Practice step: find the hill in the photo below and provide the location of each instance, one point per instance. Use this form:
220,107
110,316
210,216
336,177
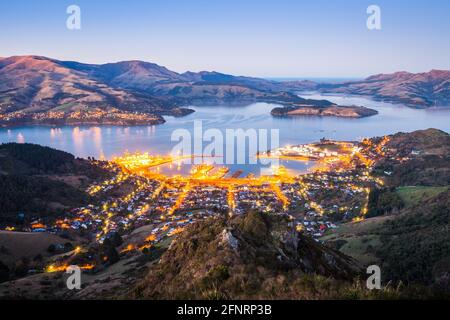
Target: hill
36,89
19,247
418,90
41,90
247,257
407,230
411,246
417,158
255,256
40,182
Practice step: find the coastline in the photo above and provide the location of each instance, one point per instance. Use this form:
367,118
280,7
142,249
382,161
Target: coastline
78,123
355,112
114,117
376,98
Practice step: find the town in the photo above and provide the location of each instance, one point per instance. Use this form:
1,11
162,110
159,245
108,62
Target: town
146,209
92,116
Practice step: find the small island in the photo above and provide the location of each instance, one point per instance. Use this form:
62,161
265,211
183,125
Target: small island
324,111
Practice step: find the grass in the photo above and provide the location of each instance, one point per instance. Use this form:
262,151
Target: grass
358,240
414,195
24,244
359,248
355,228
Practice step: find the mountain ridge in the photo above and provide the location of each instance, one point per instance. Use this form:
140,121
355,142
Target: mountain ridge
37,85
41,90
418,90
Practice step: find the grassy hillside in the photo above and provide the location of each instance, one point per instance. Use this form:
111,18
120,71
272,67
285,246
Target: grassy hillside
415,195
412,246
15,246
416,244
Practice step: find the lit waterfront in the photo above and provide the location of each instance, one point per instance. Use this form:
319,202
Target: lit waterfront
109,141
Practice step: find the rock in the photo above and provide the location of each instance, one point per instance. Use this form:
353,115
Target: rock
228,239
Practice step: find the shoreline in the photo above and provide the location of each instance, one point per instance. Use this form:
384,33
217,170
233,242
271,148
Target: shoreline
114,118
77,124
182,112
374,98
354,112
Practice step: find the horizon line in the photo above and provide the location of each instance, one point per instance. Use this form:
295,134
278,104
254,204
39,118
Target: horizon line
267,77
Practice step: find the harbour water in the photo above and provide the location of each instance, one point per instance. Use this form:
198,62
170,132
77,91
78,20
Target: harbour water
109,141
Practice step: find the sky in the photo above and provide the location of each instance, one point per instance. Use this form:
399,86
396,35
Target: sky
277,38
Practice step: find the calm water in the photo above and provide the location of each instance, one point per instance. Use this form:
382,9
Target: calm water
108,141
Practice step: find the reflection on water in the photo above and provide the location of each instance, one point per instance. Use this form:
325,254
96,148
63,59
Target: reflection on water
20,138
184,169
107,141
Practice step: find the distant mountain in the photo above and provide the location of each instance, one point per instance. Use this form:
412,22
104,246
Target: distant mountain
41,84
35,89
40,90
203,87
127,74
418,90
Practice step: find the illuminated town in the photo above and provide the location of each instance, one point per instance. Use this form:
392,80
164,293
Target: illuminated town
137,199
91,116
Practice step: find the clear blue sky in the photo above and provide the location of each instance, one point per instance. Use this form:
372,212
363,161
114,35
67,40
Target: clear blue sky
278,38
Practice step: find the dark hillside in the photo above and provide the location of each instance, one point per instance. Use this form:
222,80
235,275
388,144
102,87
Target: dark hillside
41,182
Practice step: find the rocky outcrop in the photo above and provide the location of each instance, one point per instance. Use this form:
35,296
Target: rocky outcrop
249,256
